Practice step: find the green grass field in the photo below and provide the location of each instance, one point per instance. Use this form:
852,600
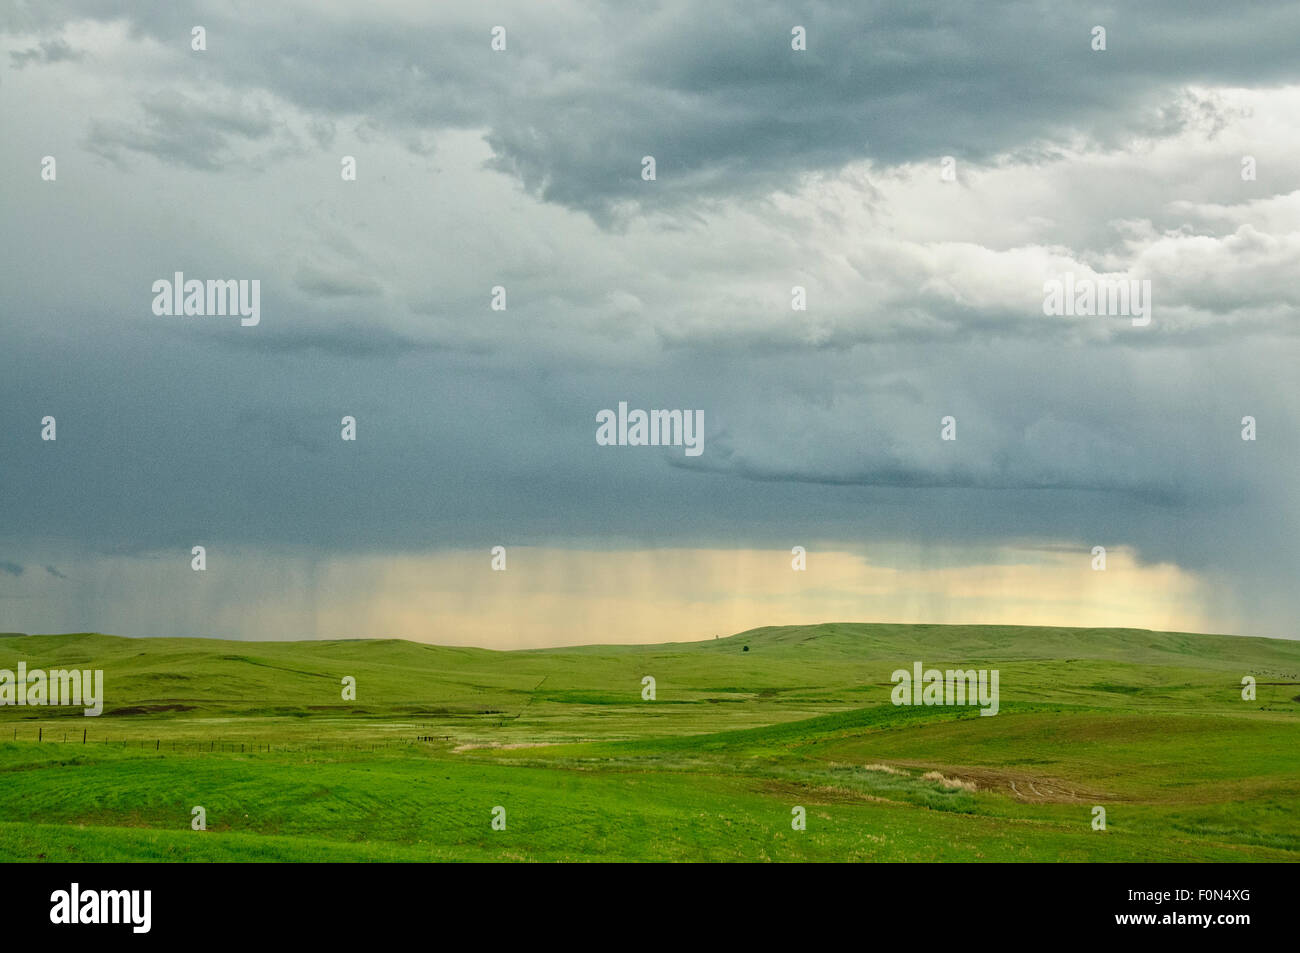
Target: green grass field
1151,726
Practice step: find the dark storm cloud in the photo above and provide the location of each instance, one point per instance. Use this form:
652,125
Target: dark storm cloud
716,94
1018,475
477,425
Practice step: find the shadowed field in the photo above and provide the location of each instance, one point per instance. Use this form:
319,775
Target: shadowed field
1151,726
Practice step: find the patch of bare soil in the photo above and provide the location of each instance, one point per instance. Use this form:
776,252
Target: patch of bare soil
1032,789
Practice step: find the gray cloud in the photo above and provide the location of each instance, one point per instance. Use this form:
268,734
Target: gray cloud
180,129
333,283
47,51
721,100
352,340
775,169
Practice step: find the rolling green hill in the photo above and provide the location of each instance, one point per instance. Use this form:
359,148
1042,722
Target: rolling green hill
1151,726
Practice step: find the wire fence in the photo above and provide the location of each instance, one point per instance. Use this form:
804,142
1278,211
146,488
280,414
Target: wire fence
199,745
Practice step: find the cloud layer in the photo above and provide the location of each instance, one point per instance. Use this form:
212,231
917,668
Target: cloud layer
775,169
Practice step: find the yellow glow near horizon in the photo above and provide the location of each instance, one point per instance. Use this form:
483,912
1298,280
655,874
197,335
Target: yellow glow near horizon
552,596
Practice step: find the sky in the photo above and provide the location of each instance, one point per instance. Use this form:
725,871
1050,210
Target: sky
920,170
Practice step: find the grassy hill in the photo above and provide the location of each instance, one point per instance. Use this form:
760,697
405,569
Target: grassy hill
1149,725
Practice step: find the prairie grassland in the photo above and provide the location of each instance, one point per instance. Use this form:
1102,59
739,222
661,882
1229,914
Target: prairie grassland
1150,726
